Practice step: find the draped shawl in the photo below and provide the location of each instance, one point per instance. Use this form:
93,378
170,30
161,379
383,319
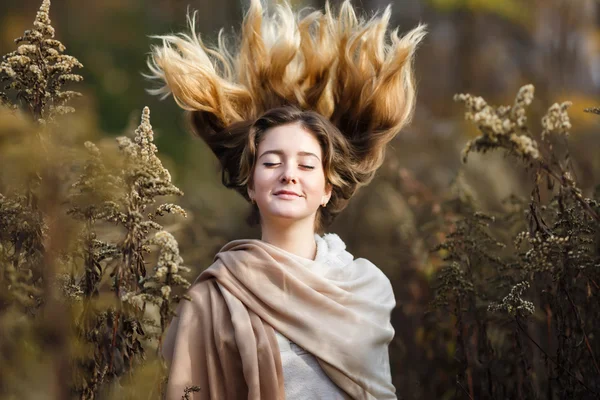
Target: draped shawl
223,338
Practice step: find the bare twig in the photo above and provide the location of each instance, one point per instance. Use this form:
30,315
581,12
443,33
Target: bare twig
551,359
587,342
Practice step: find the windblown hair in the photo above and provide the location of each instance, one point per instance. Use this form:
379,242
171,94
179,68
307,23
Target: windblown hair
348,69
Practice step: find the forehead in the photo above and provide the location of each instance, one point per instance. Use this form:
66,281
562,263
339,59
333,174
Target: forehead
291,138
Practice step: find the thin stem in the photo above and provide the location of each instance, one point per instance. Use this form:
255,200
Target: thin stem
114,340
587,342
551,359
464,389
571,189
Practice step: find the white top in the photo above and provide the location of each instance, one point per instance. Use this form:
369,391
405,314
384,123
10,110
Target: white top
303,376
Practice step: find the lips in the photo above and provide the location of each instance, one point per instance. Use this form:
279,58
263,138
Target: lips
286,194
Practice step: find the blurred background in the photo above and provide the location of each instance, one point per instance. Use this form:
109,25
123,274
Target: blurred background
489,48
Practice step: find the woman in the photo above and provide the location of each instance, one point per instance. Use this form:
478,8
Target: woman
299,117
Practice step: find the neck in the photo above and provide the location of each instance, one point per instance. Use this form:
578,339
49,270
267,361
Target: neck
297,238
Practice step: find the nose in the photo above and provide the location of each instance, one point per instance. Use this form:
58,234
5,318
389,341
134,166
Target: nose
289,175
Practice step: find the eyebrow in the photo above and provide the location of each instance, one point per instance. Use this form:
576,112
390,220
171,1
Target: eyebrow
280,153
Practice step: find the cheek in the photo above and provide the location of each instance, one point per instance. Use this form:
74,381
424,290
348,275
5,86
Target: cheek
316,187
263,181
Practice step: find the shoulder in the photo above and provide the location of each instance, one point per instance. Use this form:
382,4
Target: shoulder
380,286
186,320
195,298
368,266
332,249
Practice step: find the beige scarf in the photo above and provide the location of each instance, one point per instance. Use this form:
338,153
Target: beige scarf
223,340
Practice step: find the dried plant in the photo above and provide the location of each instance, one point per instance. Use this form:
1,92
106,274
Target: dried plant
37,70
81,315
122,197
188,391
461,284
513,304
554,250
35,73
17,286
112,309
506,128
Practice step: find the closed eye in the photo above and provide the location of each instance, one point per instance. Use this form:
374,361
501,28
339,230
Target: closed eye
275,164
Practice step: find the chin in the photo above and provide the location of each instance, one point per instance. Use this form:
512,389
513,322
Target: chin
289,215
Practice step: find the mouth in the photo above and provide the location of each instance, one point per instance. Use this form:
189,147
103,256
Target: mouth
286,194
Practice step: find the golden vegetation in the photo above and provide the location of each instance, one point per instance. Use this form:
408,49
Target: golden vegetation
89,277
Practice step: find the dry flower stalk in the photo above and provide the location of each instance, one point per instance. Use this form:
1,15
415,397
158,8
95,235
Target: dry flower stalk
37,70
506,128
122,195
102,281
513,304
554,249
501,127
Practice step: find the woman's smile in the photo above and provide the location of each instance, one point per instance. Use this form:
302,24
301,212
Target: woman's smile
286,195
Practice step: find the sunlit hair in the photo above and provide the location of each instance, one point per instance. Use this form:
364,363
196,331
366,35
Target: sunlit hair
348,69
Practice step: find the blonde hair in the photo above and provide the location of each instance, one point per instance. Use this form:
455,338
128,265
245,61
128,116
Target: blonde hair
346,68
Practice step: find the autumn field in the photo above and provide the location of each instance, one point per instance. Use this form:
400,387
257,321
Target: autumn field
485,215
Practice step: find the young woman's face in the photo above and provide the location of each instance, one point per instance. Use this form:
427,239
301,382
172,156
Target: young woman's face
289,181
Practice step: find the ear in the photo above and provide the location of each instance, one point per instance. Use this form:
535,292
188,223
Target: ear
250,192
328,193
